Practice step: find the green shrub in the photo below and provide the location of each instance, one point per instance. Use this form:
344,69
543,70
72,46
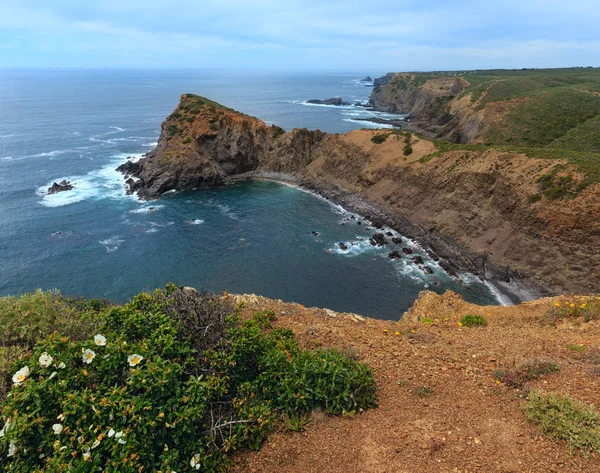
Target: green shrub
408,150
187,141
146,396
563,418
30,317
427,321
576,348
470,320
380,138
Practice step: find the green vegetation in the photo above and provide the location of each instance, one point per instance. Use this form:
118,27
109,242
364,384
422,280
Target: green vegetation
530,370
563,418
553,113
576,348
380,138
427,321
470,320
583,308
407,150
423,392
31,317
172,380
187,141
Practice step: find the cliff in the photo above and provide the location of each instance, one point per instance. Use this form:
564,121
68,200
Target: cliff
504,215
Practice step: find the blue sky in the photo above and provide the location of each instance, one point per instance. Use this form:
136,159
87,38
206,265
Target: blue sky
349,35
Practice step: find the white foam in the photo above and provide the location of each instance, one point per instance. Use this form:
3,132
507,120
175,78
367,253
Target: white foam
152,144
7,136
117,128
196,222
105,182
367,124
111,244
152,230
146,209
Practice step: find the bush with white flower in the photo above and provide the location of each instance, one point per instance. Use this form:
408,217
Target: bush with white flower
138,396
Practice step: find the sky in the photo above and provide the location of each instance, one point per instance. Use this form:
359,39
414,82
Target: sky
382,35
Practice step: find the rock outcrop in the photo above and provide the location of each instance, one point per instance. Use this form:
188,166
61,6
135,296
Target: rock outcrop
337,101
473,209
61,186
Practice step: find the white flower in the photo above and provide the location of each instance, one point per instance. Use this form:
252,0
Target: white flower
57,428
95,444
111,432
20,375
100,340
45,360
6,429
62,365
52,375
195,461
12,449
86,455
134,359
122,442
118,435
88,356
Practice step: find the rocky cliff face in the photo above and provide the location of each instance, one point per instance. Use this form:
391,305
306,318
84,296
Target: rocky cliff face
480,210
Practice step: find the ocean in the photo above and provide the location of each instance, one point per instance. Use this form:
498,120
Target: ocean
253,237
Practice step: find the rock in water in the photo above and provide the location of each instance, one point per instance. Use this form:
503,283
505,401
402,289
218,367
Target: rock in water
378,239
394,255
343,246
61,186
397,240
407,251
332,101
367,79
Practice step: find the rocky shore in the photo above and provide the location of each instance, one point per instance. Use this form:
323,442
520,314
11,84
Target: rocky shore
474,209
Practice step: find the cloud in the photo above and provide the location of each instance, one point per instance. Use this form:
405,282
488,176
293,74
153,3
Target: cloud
309,34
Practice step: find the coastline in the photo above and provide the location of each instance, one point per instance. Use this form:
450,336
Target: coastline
508,287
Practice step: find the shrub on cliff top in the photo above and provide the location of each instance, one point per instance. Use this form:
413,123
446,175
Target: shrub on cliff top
142,395
380,138
470,320
30,317
563,418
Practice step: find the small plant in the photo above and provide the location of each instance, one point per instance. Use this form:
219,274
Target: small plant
427,321
470,320
577,348
408,150
187,141
530,370
423,392
583,308
380,138
564,418
297,423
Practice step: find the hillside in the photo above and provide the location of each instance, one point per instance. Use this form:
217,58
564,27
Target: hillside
528,224
446,403
543,112
177,380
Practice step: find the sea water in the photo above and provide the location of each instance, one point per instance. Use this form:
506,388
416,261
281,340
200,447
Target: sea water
254,237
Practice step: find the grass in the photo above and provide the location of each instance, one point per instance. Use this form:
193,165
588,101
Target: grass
557,115
574,308
30,317
423,392
576,348
566,419
470,320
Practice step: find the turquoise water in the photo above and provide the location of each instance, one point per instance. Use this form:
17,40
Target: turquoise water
253,237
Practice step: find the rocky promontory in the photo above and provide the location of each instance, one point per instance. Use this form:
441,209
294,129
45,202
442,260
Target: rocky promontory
480,210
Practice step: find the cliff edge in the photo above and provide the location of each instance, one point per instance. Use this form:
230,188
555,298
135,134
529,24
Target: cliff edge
504,215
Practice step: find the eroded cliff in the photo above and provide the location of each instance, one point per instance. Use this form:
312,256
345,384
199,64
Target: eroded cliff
484,210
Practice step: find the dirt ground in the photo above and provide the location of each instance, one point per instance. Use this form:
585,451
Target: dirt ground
469,423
